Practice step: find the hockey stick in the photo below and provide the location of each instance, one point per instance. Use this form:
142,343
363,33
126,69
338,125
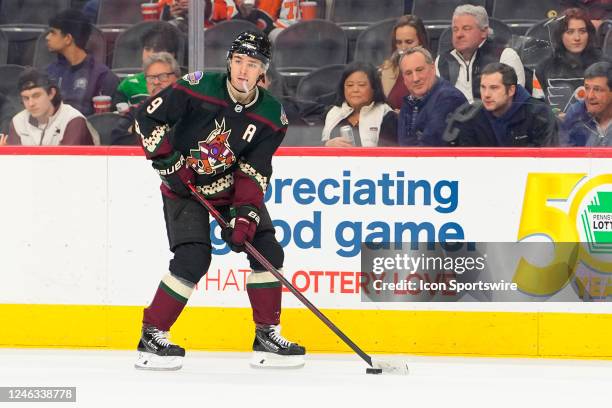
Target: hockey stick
376,366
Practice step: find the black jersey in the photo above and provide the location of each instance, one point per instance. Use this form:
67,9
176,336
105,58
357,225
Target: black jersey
229,145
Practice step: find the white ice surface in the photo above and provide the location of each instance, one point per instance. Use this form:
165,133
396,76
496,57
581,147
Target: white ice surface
108,379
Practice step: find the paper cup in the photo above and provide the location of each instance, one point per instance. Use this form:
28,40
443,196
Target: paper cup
150,11
102,103
308,10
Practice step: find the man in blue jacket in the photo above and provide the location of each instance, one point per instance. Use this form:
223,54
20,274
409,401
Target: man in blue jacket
430,100
508,115
587,123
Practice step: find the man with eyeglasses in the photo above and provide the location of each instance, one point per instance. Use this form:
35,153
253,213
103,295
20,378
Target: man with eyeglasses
217,131
160,71
162,37
587,122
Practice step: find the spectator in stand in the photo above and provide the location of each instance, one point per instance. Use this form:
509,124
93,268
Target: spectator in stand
174,11
216,11
561,74
175,8
160,71
163,38
408,32
587,123
360,105
265,14
281,14
508,115
429,102
79,76
46,121
472,51
270,16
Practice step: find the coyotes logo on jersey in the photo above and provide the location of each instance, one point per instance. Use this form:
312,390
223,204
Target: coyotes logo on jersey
213,154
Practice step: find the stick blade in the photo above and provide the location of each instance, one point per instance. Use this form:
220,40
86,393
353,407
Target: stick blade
398,367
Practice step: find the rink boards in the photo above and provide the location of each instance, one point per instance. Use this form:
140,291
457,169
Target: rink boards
84,246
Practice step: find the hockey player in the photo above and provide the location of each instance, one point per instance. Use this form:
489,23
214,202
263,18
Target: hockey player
219,132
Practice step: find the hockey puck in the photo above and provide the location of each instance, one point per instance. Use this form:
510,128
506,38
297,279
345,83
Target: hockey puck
371,370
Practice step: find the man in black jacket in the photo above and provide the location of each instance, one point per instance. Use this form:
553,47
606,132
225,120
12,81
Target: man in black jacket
508,115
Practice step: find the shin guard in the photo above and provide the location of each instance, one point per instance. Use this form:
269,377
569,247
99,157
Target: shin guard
168,303
265,294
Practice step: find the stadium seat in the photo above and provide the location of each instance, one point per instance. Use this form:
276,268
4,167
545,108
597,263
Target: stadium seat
128,47
521,14
543,30
374,44
431,11
308,45
115,17
4,43
277,86
603,30
537,44
8,81
104,123
30,11
607,45
217,40
22,41
119,12
10,100
354,16
96,46
364,11
8,108
321,81
533,51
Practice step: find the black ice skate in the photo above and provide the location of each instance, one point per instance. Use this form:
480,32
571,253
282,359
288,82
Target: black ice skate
270,349
156,352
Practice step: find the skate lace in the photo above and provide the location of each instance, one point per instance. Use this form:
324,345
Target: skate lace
276,336
161,337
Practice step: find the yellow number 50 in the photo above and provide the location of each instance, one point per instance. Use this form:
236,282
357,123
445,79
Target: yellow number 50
540,218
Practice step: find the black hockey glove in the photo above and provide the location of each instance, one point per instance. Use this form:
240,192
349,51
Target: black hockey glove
175,174
242,228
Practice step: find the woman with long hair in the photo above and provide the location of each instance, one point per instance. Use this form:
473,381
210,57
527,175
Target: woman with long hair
408,32
575,49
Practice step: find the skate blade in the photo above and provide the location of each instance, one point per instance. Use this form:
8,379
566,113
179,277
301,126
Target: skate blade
262,359
150,361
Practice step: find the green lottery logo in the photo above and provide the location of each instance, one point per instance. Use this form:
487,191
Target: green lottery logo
597,223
